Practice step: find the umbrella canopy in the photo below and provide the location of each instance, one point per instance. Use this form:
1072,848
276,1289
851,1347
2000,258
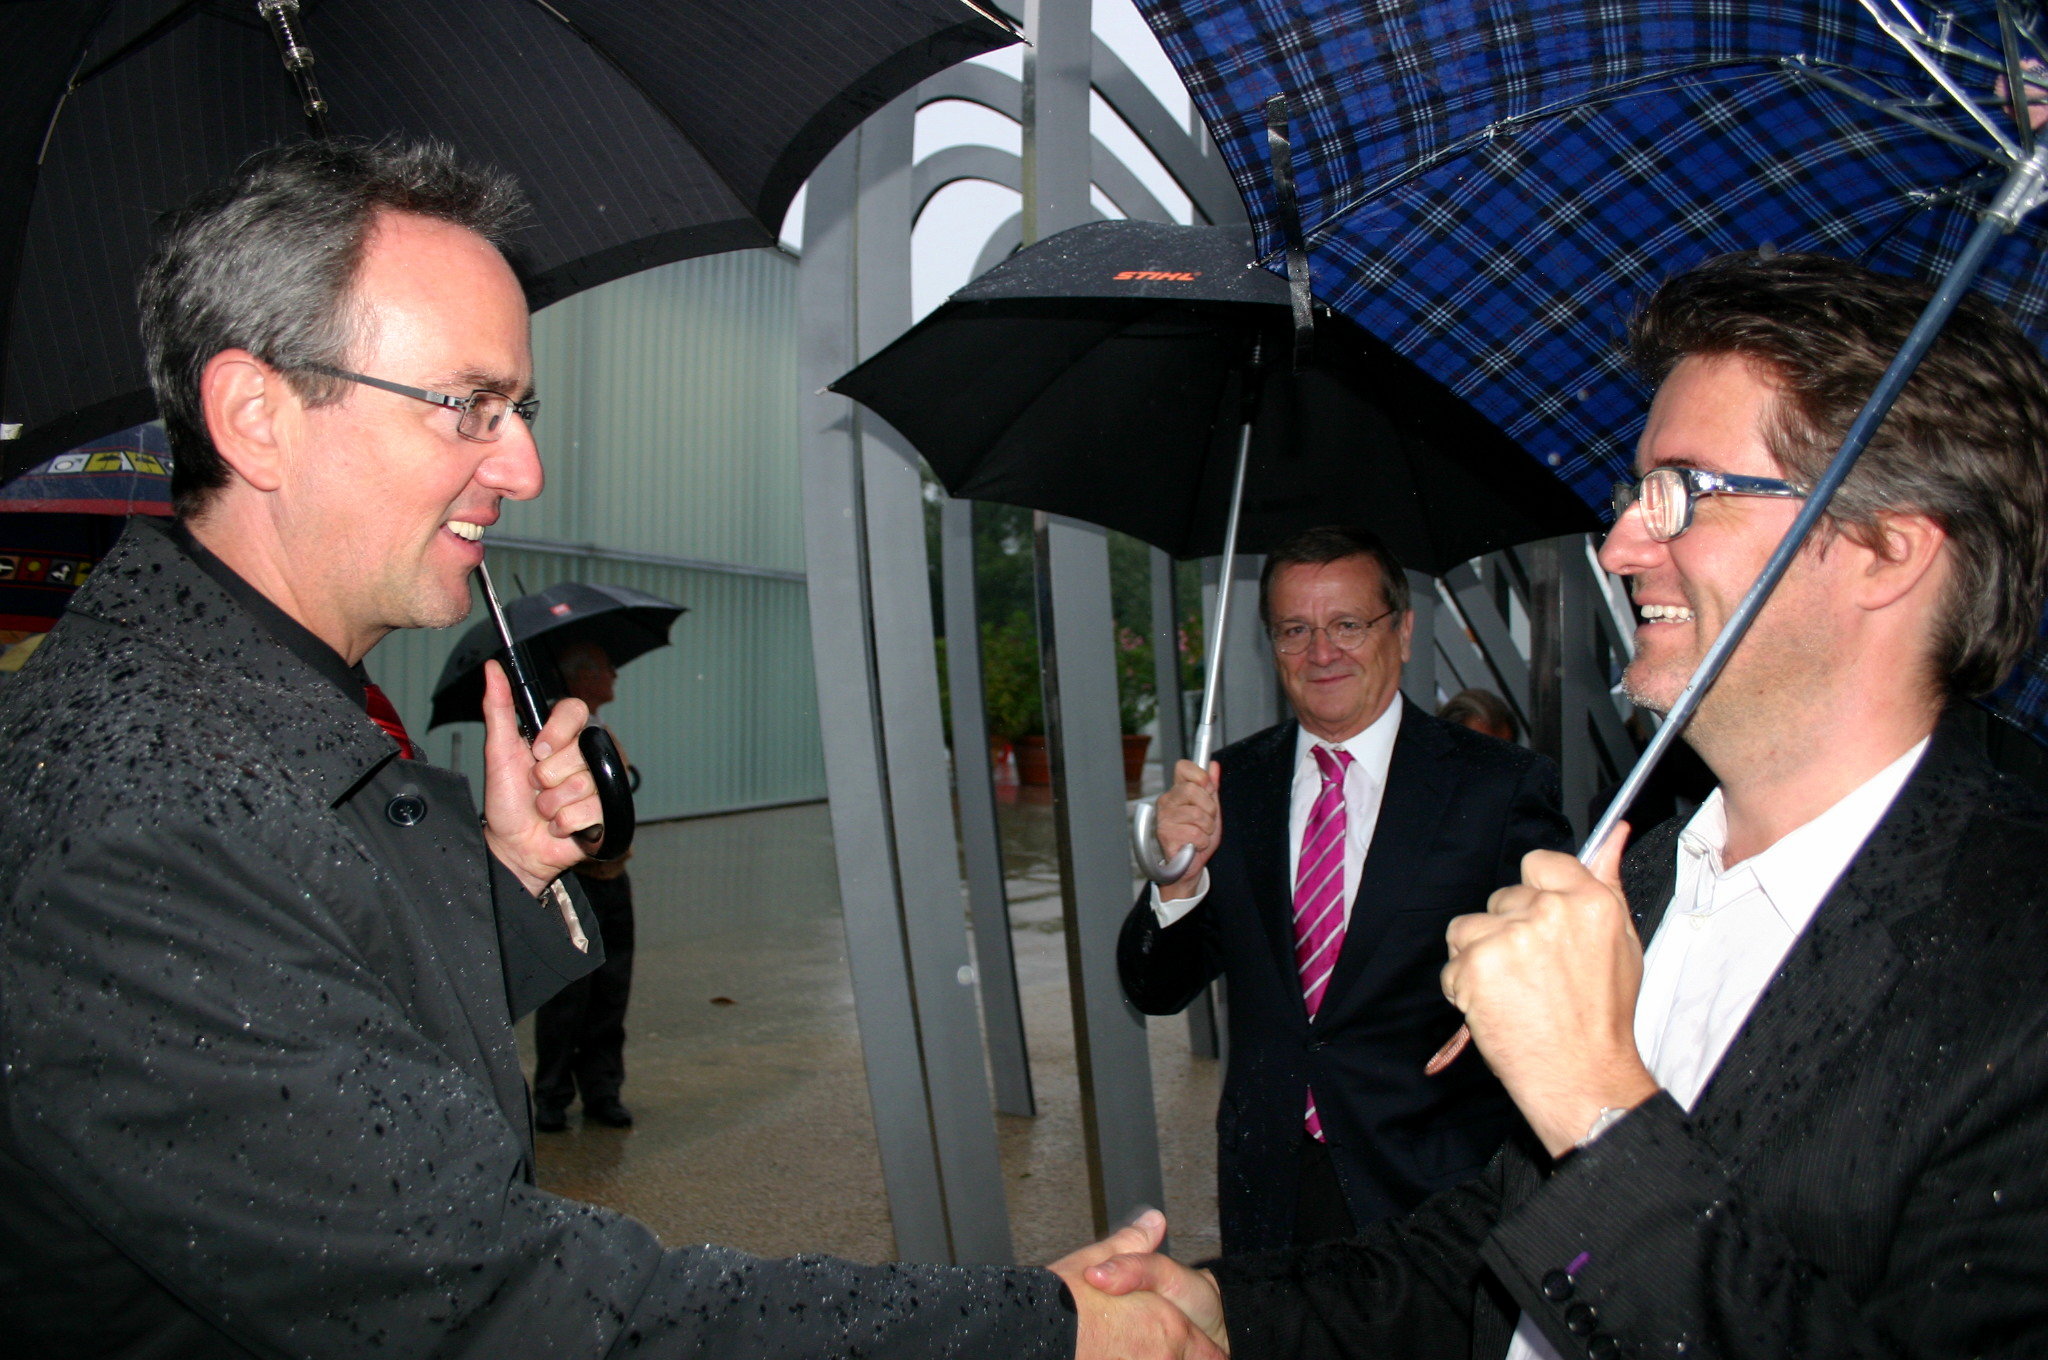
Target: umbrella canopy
59,518
645,131
626,623
1495,191
1101,374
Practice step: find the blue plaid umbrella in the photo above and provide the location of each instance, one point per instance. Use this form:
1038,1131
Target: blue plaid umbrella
1494,186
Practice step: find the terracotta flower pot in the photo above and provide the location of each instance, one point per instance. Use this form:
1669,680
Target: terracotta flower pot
1135,747
1034,763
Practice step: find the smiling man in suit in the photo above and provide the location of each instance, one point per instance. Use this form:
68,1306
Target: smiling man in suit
1331,853
1807,1120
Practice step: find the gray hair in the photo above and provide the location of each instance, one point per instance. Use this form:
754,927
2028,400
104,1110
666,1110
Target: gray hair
267,262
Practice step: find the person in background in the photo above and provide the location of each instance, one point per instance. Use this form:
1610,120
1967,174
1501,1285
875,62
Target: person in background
579,1036
1483,711
1331,852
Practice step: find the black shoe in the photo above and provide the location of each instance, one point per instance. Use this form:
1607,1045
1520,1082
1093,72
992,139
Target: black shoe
608,1112
550,1119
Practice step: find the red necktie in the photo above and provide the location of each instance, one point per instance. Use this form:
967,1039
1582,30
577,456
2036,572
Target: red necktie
385,716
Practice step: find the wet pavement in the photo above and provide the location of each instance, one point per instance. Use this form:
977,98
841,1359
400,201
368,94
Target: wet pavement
744,1067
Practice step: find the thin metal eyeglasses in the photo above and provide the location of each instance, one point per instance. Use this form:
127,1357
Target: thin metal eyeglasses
1346,635
483,411
1667,496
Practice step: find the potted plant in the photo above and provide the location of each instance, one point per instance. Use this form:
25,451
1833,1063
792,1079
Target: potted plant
1016,716
1136,698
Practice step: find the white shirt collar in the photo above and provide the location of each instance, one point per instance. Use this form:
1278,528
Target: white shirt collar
1372,749
1797,871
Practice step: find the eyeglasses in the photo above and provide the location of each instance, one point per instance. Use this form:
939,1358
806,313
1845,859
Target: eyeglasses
483,411
1667,496
1346,635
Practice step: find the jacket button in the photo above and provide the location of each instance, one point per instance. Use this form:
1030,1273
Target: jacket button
407,809
1603,1347
1580,1319
1557,1286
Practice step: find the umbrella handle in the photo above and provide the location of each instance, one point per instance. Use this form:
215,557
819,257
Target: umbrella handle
611,838
1144,817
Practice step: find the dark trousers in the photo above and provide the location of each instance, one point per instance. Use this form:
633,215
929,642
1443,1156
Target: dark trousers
1320,1214
579,1037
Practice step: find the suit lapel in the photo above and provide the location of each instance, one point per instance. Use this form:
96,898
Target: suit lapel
1420,785
1263,773
1847,960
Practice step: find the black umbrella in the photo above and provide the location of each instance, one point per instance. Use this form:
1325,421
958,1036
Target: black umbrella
1143,377
626,623
1103,373
645,131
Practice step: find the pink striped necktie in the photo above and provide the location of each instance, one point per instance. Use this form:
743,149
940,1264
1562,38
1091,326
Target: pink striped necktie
1319,895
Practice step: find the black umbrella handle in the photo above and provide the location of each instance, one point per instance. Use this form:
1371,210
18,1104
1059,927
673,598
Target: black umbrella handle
614,835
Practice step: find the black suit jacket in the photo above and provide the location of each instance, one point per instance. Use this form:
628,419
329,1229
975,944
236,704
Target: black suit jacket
1459,813
259,1094
1862,1176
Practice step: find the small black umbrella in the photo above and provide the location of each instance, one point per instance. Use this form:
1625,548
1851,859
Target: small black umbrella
626,623
644,131
1142,376
1102,374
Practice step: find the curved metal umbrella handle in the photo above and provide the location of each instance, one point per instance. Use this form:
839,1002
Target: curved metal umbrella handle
1144,818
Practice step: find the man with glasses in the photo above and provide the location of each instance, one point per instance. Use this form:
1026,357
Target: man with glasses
1331,853
259,964
1806,1119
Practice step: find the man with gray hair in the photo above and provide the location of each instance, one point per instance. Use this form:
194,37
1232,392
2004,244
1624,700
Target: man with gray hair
258,964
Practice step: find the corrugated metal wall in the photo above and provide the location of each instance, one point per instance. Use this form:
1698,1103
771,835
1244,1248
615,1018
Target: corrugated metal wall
669,429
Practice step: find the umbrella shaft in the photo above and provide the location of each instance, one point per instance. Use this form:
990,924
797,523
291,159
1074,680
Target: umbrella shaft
1212,679
2020,194
525,692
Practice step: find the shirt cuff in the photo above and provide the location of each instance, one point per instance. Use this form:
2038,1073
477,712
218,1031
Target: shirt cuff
1166,913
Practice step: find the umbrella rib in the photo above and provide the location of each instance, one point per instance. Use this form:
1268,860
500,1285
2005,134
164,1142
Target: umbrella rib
128,49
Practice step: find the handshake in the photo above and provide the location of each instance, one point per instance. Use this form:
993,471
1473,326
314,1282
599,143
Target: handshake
1136,1304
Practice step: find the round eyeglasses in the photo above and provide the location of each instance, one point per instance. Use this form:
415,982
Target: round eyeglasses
1666,496
483,411
1346,635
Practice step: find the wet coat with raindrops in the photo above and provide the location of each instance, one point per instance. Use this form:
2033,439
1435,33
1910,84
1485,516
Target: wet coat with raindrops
258,1087
1862,1176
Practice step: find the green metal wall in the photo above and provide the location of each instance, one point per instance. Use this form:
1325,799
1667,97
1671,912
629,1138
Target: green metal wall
669,430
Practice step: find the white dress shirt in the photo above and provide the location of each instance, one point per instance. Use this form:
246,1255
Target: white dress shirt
1724,936
1365,783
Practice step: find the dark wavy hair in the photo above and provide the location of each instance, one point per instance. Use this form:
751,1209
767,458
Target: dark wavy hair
267,261
1967,443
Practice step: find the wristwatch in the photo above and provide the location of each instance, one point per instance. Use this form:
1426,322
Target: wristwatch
1609,1116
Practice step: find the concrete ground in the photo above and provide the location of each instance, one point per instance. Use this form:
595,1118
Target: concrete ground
744,1065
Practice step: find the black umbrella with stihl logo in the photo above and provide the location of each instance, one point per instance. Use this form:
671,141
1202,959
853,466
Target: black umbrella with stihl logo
1151,379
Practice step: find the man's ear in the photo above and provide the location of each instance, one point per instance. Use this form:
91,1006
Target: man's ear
242,399
1905,551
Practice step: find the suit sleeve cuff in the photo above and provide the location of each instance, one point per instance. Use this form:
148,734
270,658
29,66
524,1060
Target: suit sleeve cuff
1166,913
1572,1252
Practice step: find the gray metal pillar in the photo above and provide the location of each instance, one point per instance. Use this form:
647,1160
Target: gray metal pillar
1077,657
981,846
856,780
1166,672
877,698
920,783
1546,647
1418,677
1172,742
1252,699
